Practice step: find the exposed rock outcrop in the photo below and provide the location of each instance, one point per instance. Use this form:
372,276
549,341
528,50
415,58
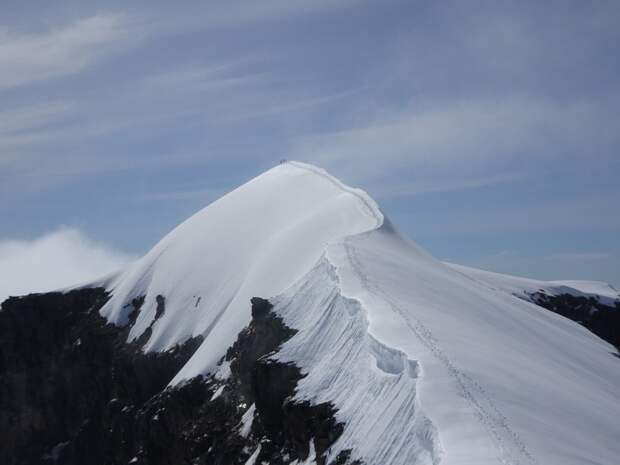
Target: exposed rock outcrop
603,320
73,391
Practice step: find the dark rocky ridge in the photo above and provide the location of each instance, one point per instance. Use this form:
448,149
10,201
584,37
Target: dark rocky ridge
603,320
62,366
72,391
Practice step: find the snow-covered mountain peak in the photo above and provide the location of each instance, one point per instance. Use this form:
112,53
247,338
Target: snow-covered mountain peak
255,241
424,362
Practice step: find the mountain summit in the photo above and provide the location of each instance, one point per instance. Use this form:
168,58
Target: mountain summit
255,241
295,324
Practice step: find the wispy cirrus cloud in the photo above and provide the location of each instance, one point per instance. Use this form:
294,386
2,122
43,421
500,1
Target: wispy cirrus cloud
33,117
66,50
581,256
468,138
425,186
202,195
24,127
215,93
239,13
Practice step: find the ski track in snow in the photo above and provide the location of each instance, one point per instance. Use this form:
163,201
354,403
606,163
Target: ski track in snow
512,450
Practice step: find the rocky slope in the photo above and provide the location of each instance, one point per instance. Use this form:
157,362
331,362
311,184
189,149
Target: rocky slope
72,391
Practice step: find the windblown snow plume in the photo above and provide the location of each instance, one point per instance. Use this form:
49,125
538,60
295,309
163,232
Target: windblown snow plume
425,362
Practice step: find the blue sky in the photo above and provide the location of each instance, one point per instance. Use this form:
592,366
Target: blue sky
488,131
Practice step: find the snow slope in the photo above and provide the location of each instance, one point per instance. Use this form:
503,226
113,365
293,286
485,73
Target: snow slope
524,287
255,241
425,363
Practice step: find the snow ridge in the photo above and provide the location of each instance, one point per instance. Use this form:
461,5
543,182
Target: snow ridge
525,287
511,449
367,201
373,386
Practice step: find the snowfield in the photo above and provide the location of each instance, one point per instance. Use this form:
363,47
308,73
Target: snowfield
426,362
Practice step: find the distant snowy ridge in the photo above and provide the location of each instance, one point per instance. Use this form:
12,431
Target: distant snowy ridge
524,287
424,362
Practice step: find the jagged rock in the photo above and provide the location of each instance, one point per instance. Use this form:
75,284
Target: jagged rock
65,371
603,320
73,391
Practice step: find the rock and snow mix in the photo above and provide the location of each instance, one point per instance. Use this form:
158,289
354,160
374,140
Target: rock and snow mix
525,287
426,362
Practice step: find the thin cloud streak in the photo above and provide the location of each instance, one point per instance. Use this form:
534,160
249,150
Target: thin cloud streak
233,14
27,58
413,188
34,117
584,256
478,134
204,195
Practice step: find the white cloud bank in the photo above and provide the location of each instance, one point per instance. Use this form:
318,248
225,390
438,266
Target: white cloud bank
53,261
